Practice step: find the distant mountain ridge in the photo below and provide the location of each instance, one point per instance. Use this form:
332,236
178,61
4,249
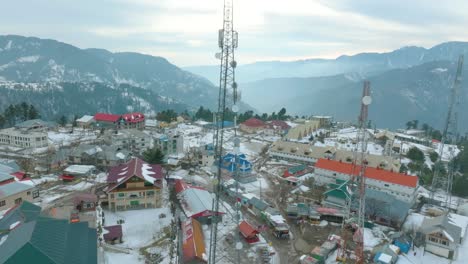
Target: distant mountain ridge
45,62
420,92
362,64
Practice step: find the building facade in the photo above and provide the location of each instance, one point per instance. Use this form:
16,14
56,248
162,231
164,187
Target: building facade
14,193
134,185
23,138
401,186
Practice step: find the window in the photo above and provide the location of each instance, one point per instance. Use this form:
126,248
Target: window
444,242
386,185
35,193
18,201
112,196
28,193
121,194
2,203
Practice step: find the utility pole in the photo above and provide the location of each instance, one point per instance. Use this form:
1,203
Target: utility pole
227,42
444,182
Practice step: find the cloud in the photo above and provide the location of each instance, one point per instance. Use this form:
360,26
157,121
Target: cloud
185,31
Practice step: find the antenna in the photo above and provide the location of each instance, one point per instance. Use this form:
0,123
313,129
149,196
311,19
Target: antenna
227,42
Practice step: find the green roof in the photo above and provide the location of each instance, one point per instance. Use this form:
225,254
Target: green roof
296,169
338,191
49,240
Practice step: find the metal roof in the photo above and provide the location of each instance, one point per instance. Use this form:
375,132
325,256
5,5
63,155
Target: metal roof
12,188
48,240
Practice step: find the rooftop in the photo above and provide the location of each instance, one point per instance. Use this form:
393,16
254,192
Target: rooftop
371,173
106,117
12,188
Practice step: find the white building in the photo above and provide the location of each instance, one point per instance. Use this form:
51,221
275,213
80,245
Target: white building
132,140
401,186
22,138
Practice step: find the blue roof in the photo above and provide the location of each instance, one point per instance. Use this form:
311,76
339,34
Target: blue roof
229,163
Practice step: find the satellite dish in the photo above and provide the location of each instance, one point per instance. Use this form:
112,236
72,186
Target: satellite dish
235,108
239,246
366,100
218,55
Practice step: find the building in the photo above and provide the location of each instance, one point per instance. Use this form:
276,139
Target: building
299,152
99,156
338,195
109,121
441,237
238,167
36,125
28,237
295,171
85,121
277,127
85,202
24,137
248,232
323,121
193,243
399,185
252,125
132,140
196,202
134,185
13,193
133,121
302,130
205,155
113,235
169,144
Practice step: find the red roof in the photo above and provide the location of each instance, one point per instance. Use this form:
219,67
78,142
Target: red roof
181,185
135,167
435,141
193,243
106,117
371,173
247,230
254,122
114,232
19,175
66,177
134,117
279,124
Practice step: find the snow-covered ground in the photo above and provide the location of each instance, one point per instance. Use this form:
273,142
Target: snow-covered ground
65,138
141,227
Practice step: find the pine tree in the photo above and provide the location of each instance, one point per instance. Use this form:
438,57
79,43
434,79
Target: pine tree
153,156
62,121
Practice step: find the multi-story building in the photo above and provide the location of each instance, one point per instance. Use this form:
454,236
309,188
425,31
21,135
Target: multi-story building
134,185
23,138
132,140
125,121
399,185
205,155
170,144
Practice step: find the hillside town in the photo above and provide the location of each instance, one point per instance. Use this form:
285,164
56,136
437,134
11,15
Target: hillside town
128,188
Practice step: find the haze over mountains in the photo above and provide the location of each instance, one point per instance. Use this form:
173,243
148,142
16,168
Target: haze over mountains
62,79
408,83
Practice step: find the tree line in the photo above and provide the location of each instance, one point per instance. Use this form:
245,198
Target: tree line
16,113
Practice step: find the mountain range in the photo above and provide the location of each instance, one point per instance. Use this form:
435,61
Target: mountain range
408,83
362,64
99,80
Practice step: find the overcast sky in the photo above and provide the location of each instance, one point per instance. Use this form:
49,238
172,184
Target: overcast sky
185,31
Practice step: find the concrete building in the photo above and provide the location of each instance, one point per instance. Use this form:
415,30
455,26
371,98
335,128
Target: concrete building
99,156
323,121
22,138
399,185
170,143
134,185
132,140
205,155
277,127
13,193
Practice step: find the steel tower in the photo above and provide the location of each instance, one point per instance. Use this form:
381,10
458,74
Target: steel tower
442,182
227,42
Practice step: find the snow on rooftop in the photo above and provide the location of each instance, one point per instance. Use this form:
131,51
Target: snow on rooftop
120,155
146,170
80,169
3,239
15,224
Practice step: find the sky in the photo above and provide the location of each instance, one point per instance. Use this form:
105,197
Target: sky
185,31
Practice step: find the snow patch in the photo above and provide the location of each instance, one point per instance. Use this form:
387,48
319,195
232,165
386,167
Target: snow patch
30,59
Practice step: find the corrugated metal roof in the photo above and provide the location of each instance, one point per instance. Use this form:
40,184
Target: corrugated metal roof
13,188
